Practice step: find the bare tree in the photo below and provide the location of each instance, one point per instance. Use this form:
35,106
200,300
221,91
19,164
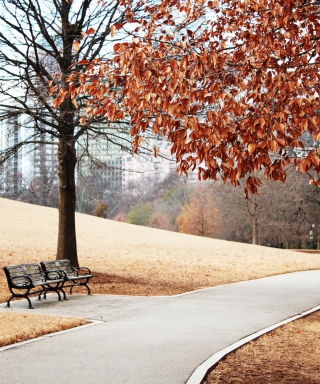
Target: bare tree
282,214
41,43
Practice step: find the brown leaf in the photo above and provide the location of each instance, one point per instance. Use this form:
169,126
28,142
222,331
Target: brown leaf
76,45
251,148
90,31
74,102
155,151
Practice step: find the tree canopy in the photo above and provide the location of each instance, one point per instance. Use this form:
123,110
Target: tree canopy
232,84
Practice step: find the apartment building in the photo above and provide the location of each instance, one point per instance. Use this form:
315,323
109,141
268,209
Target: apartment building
31,161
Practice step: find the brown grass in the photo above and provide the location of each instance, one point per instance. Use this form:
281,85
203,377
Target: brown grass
290,354
17,327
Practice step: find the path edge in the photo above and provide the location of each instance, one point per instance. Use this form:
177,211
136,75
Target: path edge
16,345
202,370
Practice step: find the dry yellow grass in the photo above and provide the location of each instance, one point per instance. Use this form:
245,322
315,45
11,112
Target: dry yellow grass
17,327
289,354
133,253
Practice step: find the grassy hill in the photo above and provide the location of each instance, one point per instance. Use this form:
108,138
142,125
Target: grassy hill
138,260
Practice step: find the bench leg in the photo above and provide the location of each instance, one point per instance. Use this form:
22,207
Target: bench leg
80,285
30,305
57,288
8,302
20,296
64,295
52,290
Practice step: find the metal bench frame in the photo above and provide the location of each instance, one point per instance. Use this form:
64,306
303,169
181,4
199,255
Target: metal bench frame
28,279
74,277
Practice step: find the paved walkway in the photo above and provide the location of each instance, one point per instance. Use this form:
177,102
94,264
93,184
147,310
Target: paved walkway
153,340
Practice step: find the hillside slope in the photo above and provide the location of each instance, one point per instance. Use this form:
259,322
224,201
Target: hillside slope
29,233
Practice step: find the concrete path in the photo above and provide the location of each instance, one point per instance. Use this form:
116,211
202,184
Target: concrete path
153,340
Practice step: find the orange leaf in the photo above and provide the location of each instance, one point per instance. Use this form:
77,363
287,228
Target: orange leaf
83,62
53,89
171,109
90,31
112,30
251,148
76,45
155,151
303,167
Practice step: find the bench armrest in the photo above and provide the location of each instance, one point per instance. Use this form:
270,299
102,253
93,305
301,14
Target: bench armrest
54,275
26,284
82,271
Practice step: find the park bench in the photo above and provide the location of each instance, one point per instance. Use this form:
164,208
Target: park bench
27,279
74,277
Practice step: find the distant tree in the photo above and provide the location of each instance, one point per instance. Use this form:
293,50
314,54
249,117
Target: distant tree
240,217
293,214
100,209
87,196
42,187
90,188
161,220
41,191
167,207
140,214
282,214
121,216
200,217
10,184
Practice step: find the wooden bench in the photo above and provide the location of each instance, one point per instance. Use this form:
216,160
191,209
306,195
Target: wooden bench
27,279
74,277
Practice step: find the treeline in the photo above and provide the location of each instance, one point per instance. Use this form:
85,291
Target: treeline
282,215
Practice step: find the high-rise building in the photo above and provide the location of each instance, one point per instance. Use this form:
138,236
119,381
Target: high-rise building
11,171
103,156
31,161
109,159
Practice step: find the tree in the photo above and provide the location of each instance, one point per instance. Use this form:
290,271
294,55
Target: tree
41,190
41,187
199,217
139,214
42,43
241,218
168,206
233,94
100,209
283,214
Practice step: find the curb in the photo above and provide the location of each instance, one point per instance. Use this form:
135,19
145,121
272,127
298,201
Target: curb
201,371
16,345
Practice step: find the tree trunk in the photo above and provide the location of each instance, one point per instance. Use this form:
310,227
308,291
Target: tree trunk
67,243
254,230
